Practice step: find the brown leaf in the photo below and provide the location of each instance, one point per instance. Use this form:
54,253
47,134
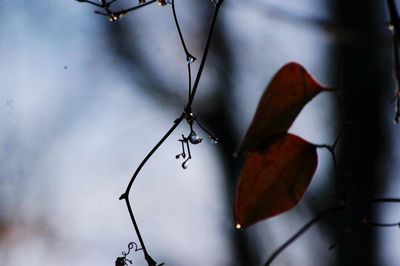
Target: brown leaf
274,180
285,96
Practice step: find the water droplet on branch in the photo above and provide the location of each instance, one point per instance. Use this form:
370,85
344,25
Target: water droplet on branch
194,138
214,140
190,59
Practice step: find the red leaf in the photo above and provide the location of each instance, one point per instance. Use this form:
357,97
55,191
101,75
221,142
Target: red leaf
274,180
285,96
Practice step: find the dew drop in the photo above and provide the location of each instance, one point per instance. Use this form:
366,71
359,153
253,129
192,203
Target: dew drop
190,118
142,1
391,27
214,140
184,165
190,59
114,17
162,2
238,226
194,139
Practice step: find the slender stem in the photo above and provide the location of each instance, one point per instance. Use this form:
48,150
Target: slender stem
188,55
143,247
176,123
338,138
301,231
190,80
331,149
322,215
204,57
382,224
128,189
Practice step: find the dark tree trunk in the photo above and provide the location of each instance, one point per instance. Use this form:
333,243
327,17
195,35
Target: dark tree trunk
364,75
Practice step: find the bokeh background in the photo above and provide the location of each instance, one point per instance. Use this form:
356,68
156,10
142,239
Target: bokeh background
84,100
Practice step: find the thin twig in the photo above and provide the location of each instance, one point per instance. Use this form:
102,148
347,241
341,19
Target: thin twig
322,215
176,123
204,57
376,224
190,81
331,149
189,58
128,189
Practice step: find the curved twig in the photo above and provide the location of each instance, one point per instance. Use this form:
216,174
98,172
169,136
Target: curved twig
125,196
189,58
322,215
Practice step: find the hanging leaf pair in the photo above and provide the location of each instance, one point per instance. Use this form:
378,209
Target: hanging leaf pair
279,166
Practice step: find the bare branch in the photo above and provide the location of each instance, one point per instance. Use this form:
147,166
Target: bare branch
324,214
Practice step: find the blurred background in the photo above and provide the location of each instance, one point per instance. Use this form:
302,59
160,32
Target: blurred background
84,100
